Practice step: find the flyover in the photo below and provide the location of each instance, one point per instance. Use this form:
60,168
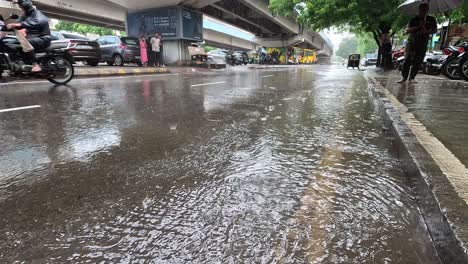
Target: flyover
115,20
250,15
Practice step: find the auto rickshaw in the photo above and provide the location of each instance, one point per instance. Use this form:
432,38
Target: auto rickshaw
354,60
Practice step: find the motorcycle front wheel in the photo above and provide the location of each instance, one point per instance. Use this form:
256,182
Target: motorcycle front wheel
464,68
62,71
451,69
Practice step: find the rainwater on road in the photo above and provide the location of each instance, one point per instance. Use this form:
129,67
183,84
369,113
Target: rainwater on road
261,166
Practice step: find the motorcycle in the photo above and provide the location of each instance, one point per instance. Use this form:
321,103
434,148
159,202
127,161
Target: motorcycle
463,66
433,65
396,55
57,64
451,61
231,59
268,59
399,63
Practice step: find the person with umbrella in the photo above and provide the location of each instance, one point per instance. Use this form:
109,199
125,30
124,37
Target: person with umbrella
420,28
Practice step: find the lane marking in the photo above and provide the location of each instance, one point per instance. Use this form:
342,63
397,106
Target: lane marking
268,76
19,108
203,84
84,79
449,164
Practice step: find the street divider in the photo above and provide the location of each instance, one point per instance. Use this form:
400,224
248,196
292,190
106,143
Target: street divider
117,71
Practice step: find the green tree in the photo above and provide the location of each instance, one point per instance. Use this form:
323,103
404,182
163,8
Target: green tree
82,28
208,48
347,46
374,17
460,15
358,16
366,44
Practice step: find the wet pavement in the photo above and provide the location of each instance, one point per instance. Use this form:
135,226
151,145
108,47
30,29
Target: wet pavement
441,105
262,166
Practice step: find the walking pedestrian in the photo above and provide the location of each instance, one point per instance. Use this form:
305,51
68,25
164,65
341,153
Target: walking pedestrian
420,28
385,51
161,52
149,51
156,47
143,51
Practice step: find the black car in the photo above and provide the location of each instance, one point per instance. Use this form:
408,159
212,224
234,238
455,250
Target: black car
80,47
117,50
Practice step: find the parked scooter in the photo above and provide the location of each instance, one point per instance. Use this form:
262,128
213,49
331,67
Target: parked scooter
269,59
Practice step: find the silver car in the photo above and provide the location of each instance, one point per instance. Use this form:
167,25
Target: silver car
217,56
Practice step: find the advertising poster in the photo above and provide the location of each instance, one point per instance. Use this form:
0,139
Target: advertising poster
162,20
192,22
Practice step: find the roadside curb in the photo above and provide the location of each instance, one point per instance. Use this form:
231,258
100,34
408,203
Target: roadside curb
444,210
117,72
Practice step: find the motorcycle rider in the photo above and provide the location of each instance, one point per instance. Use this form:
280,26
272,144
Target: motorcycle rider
37,29
263,54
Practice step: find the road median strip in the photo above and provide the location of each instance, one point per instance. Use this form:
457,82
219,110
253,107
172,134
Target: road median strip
85,72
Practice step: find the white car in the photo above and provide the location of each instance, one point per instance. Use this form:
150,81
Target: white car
217,56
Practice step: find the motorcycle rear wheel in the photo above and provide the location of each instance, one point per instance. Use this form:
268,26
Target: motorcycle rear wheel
68,74
450,71
464,68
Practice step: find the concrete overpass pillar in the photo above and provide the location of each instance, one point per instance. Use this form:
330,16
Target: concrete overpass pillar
178,26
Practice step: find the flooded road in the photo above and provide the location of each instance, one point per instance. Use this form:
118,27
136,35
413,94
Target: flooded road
279,166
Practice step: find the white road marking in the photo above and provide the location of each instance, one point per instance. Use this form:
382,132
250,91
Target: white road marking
87,79
19,108
449,164
267,76
203,84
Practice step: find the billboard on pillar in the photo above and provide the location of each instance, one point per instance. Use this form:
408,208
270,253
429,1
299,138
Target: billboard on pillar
162,20
192,25
170,22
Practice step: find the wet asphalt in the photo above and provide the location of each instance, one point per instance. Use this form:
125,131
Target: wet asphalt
261,166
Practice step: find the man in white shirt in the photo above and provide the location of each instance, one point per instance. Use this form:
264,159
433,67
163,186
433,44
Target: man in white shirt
156,48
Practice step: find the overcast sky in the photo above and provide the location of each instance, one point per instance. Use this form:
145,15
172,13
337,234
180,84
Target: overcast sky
337,37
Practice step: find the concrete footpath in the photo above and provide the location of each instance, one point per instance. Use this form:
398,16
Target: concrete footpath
430,119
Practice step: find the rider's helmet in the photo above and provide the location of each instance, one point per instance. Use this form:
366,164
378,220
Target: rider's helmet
26,5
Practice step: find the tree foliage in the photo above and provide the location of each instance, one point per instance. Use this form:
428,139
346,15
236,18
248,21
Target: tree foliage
82,28
347,46
362,44
366,44
359,16
460,15
208,48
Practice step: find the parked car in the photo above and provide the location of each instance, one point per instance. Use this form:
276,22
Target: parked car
117,50
370,60
217,56
80,47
